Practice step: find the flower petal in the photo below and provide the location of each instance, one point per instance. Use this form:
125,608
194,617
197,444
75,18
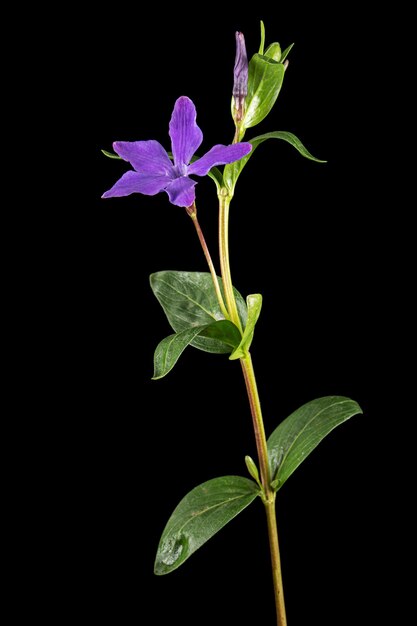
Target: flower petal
133,182
181,191
148,157
186,136
219,155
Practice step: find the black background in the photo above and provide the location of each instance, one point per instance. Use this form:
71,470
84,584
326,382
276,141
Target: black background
309,237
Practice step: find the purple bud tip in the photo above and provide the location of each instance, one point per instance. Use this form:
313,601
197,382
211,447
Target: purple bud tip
240,84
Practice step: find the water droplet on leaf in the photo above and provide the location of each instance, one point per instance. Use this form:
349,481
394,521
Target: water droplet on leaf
173,549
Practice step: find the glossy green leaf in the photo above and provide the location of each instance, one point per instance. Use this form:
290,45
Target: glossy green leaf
111,155
289,138
199,516
216,175
169,350
232,172
224,331
286,52
254,304
262,44
264,84
303,430
273,51
189,299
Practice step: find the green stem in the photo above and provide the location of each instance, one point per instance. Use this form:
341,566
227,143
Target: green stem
258,425
276,563
224,204
269,494
192,212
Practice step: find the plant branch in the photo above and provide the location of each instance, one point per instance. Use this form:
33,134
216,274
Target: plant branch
192,212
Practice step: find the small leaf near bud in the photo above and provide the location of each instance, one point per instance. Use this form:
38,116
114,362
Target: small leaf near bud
252,469
275,484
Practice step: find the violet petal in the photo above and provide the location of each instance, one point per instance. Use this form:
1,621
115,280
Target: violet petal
219,155
186,136
148,157
181,191
134,182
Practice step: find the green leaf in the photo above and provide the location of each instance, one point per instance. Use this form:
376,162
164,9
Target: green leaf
216,175
274,52
169,350
264,84
262,44
111,155
199,516
254,304
303,430
232,171
189,299
286,53
224,331
286,136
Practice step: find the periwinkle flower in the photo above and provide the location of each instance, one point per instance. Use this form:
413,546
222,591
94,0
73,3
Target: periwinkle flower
153,169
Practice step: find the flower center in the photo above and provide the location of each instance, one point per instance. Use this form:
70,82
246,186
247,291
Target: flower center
180,170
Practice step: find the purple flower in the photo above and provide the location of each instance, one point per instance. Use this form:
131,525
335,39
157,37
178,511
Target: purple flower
153,169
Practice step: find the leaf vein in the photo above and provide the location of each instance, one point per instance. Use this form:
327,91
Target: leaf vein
209,508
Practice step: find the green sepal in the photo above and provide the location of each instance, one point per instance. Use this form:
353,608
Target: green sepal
286,52
262,43
111,155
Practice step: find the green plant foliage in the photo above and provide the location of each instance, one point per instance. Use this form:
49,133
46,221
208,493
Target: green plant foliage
189,300
303,430
232,172
169,350
199,516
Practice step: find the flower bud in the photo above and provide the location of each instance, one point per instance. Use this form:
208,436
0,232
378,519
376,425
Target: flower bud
240,73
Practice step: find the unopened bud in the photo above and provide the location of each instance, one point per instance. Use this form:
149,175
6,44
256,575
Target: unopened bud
240,73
